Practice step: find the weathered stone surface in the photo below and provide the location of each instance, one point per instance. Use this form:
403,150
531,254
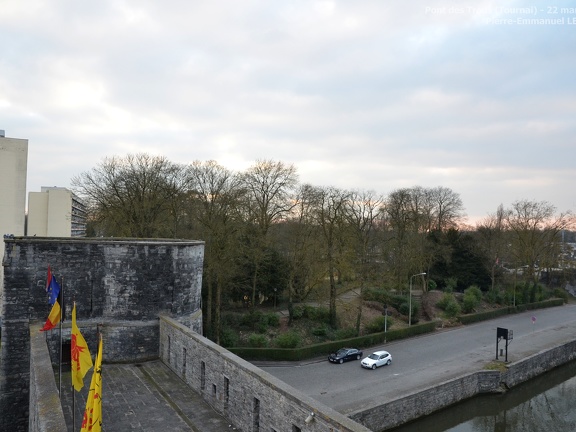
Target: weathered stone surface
251,397
120,287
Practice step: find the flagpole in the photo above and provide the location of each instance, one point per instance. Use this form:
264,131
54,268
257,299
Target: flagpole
61,319
71,372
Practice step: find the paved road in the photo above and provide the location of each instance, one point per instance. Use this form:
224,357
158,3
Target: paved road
427,360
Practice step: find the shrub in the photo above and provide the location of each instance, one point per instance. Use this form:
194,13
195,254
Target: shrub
257,341
251,318
403,308
232,319
375,294
289,339
228,337
345,333
320,331
451,284
453,309
475,291
319,314
377,325
297,312
561,293
469,303
449,305
270,319
472,298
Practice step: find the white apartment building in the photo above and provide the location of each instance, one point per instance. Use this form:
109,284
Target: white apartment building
55,212
13,171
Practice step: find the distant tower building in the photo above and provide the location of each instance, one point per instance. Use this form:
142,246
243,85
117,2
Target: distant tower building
55,212
13,171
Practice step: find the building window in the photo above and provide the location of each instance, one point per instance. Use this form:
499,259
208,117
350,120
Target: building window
202,375
256,415
226,392
184,363
168,352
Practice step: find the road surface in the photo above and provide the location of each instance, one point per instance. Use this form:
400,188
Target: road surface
426,360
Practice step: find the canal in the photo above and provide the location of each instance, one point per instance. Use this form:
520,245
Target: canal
546,403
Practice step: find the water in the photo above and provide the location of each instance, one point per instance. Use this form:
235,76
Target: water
544,404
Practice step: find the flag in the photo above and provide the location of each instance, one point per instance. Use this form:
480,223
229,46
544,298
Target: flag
53,290
92,420
80,354
48,278
53,317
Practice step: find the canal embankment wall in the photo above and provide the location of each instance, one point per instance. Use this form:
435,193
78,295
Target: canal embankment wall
434,398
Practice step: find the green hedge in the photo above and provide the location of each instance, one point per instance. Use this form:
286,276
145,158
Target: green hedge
483,316
303,353
366,341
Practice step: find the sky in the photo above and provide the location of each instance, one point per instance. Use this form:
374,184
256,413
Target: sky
475,96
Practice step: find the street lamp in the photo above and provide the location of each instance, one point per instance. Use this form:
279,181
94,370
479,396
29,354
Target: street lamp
410,299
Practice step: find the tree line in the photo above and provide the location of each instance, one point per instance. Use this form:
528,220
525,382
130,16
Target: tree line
267,236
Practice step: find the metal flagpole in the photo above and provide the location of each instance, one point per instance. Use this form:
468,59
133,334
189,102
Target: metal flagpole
61,319
71,381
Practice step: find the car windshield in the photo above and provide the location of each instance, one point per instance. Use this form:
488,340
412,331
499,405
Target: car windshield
373,357
341,352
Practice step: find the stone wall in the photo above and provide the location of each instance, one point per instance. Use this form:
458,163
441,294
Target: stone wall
46,413
119,285
537,364
418,404
252,399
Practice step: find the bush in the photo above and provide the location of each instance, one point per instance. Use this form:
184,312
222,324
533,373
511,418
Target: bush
297,312
449,305
561,293
453,309
251,318
288,340
451,284
472,298
345,333
377,325
232,319
469,304
318,314
320,331
270,319
473,290
257,341
405,308
228,337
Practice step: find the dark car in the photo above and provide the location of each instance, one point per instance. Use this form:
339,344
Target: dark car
345,354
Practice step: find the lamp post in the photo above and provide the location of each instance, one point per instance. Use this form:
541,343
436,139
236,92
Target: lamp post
410,299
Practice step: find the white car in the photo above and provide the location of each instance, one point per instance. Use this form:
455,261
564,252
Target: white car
376,359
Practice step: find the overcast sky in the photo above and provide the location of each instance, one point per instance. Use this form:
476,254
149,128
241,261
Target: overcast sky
369,94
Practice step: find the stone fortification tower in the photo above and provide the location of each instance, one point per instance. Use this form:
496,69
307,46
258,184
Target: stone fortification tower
119,285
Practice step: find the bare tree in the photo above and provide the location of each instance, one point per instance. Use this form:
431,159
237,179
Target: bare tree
214,204
133,196
330,207
362,212
535,230
447,207
269,186
491,234
299,243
